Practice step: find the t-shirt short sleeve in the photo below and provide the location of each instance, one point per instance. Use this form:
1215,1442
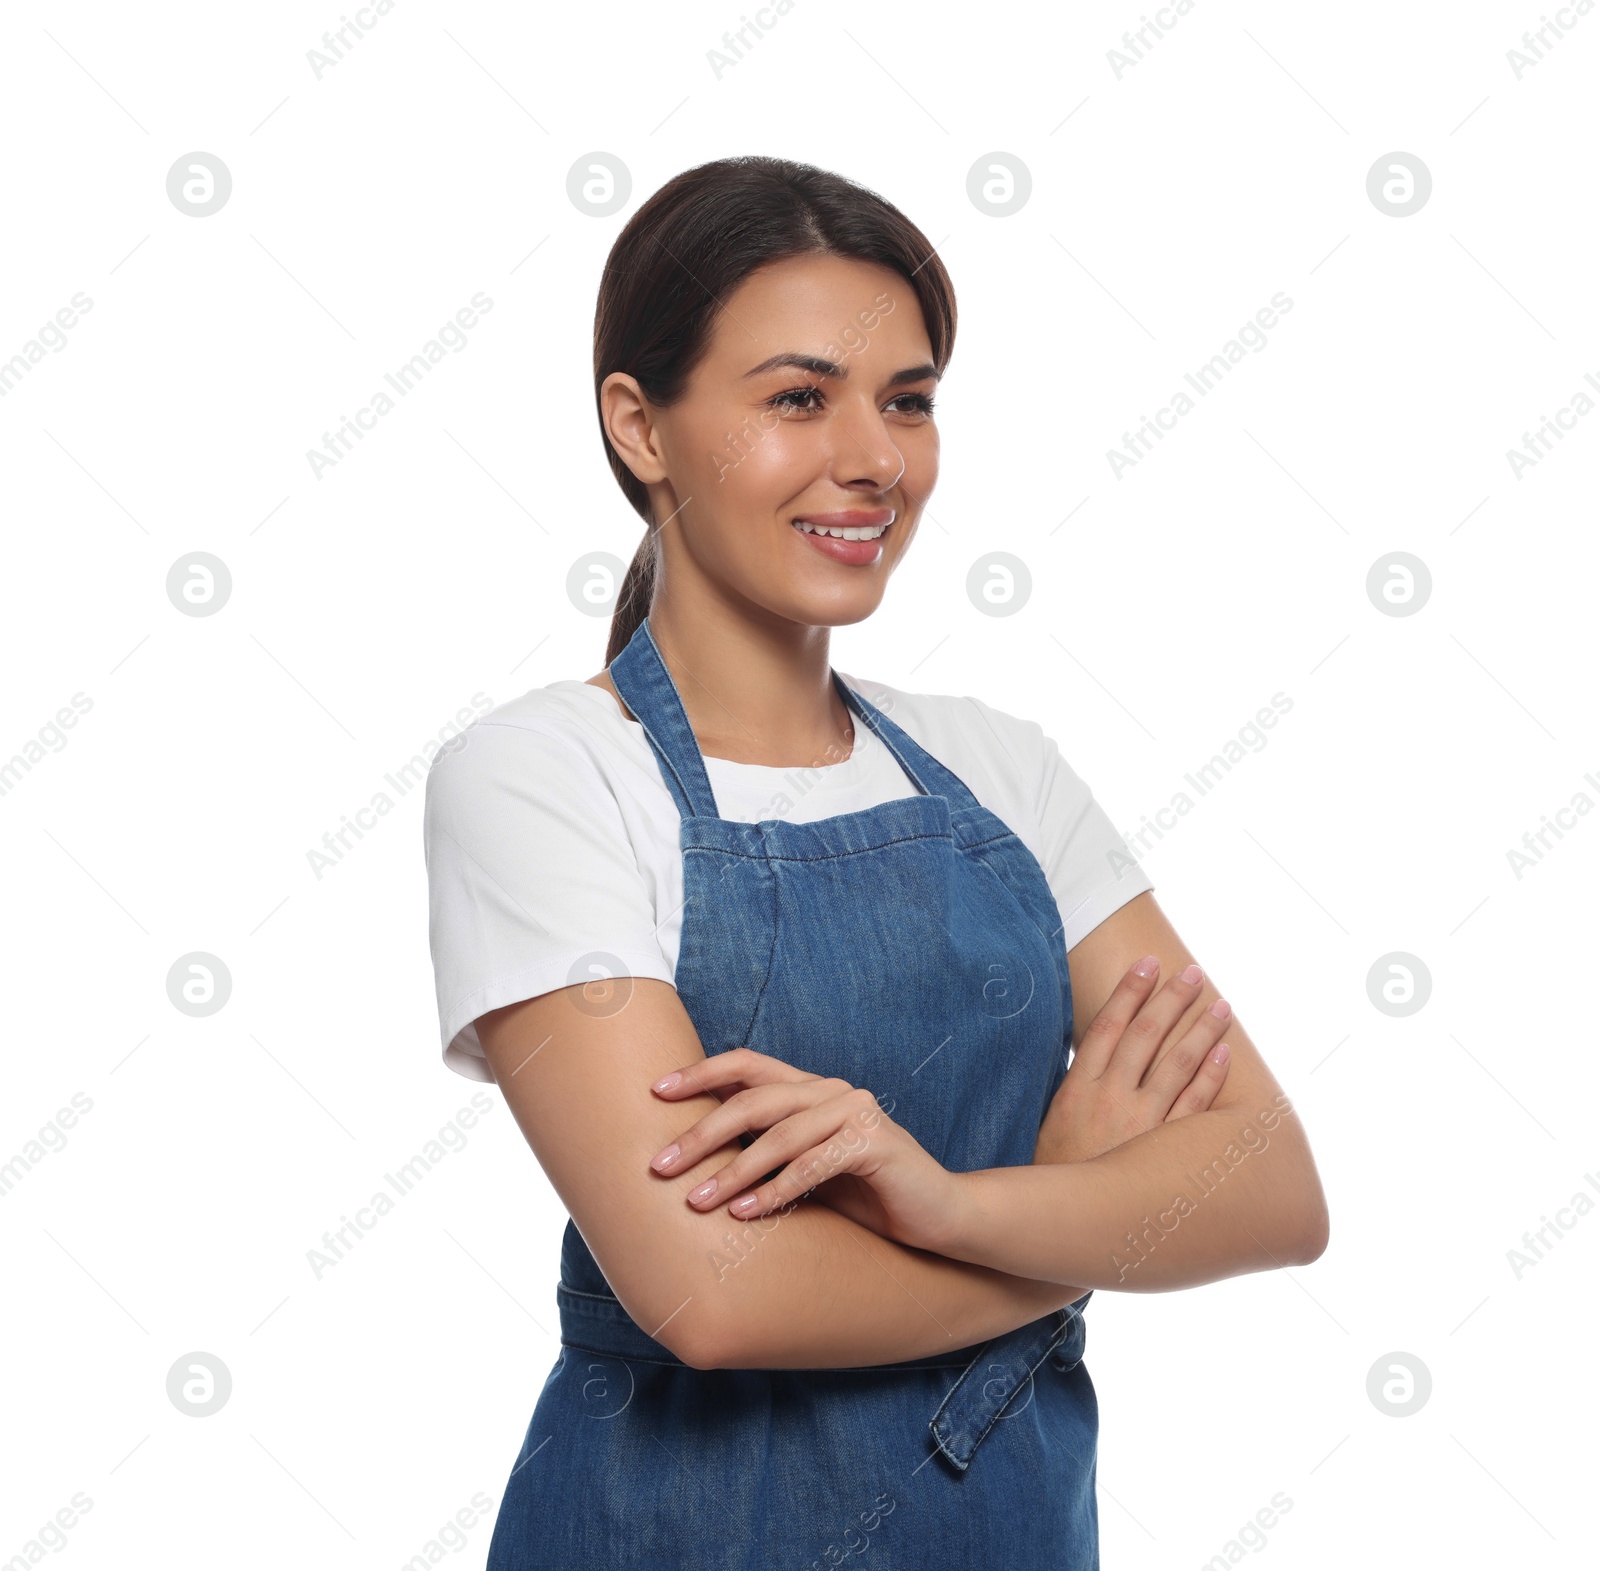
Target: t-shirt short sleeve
1087,861
533,883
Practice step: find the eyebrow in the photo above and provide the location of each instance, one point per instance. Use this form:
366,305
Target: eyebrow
819,366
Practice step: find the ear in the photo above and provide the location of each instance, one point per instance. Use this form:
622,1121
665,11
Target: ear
630,427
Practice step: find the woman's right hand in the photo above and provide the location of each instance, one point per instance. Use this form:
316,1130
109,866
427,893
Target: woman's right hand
812,1134
1107,1096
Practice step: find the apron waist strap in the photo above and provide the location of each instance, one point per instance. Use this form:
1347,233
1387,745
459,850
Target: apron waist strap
597,1323
990,1380
1000,1372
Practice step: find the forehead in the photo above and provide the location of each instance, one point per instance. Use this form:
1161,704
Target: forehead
809,303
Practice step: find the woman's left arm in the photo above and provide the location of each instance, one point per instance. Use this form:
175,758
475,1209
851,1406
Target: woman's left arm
1219,1193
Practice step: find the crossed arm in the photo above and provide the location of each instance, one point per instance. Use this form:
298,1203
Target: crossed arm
810,1288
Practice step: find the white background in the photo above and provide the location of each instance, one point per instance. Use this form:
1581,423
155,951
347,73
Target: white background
1168,606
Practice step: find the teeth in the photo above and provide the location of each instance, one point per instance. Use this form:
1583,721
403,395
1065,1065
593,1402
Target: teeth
869,532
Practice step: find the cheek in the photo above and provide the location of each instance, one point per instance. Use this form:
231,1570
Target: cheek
921,453
765,468
722,449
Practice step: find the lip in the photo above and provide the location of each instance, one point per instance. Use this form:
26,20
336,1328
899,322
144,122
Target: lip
848,553
860,519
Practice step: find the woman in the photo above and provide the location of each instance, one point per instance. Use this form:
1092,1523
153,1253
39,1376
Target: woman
712,914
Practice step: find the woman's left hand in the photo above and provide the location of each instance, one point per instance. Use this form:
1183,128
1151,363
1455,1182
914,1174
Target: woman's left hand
824,1130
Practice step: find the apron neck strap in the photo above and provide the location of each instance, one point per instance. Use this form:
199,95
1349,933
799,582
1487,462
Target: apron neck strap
929,776
640,675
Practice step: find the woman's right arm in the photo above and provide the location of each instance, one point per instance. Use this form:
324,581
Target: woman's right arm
798,1290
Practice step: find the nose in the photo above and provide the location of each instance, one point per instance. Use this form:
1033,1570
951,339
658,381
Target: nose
866,449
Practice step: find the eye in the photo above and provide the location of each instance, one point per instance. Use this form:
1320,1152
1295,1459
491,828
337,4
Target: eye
782,400
797,398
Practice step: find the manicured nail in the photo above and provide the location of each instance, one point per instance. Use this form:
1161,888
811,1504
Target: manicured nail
743,1204
1192,974
1221,1009
667,1082
704,1192
1148,966
1220,1055
662,1158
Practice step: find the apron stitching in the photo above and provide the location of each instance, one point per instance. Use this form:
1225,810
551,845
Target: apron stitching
1005,883
772,954
826,856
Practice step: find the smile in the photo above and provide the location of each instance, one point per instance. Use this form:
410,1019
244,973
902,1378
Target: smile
849,523
862,532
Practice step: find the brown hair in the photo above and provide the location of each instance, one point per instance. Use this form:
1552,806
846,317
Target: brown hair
688,248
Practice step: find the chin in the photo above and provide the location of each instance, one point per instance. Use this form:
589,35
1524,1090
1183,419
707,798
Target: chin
843,610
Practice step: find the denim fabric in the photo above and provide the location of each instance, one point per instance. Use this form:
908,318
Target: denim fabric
913,948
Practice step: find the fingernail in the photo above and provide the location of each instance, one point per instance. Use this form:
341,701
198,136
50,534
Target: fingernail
743,1204
667,1082
704,1192
662,1158
1192,974
1147,967
1220,1056
1221,1009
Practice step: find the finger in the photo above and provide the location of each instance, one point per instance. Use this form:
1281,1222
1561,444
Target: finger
788,1145
754,1108
1202,1090
823,1143
1105,1030
738,1066
1142,1039
1186,1056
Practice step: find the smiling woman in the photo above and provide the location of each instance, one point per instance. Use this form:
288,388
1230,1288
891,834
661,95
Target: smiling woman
838,1030
847,456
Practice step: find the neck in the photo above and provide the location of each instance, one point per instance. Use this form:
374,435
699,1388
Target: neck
757,689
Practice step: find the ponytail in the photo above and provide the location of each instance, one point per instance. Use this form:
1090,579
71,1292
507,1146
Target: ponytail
633,599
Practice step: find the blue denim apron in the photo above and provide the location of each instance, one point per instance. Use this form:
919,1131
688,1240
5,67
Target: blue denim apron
913,948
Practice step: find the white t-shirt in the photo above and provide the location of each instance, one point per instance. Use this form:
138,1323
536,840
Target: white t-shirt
552,845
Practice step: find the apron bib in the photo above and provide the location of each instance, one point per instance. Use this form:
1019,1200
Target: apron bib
913,948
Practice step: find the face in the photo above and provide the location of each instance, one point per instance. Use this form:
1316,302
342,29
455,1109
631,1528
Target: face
812,407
